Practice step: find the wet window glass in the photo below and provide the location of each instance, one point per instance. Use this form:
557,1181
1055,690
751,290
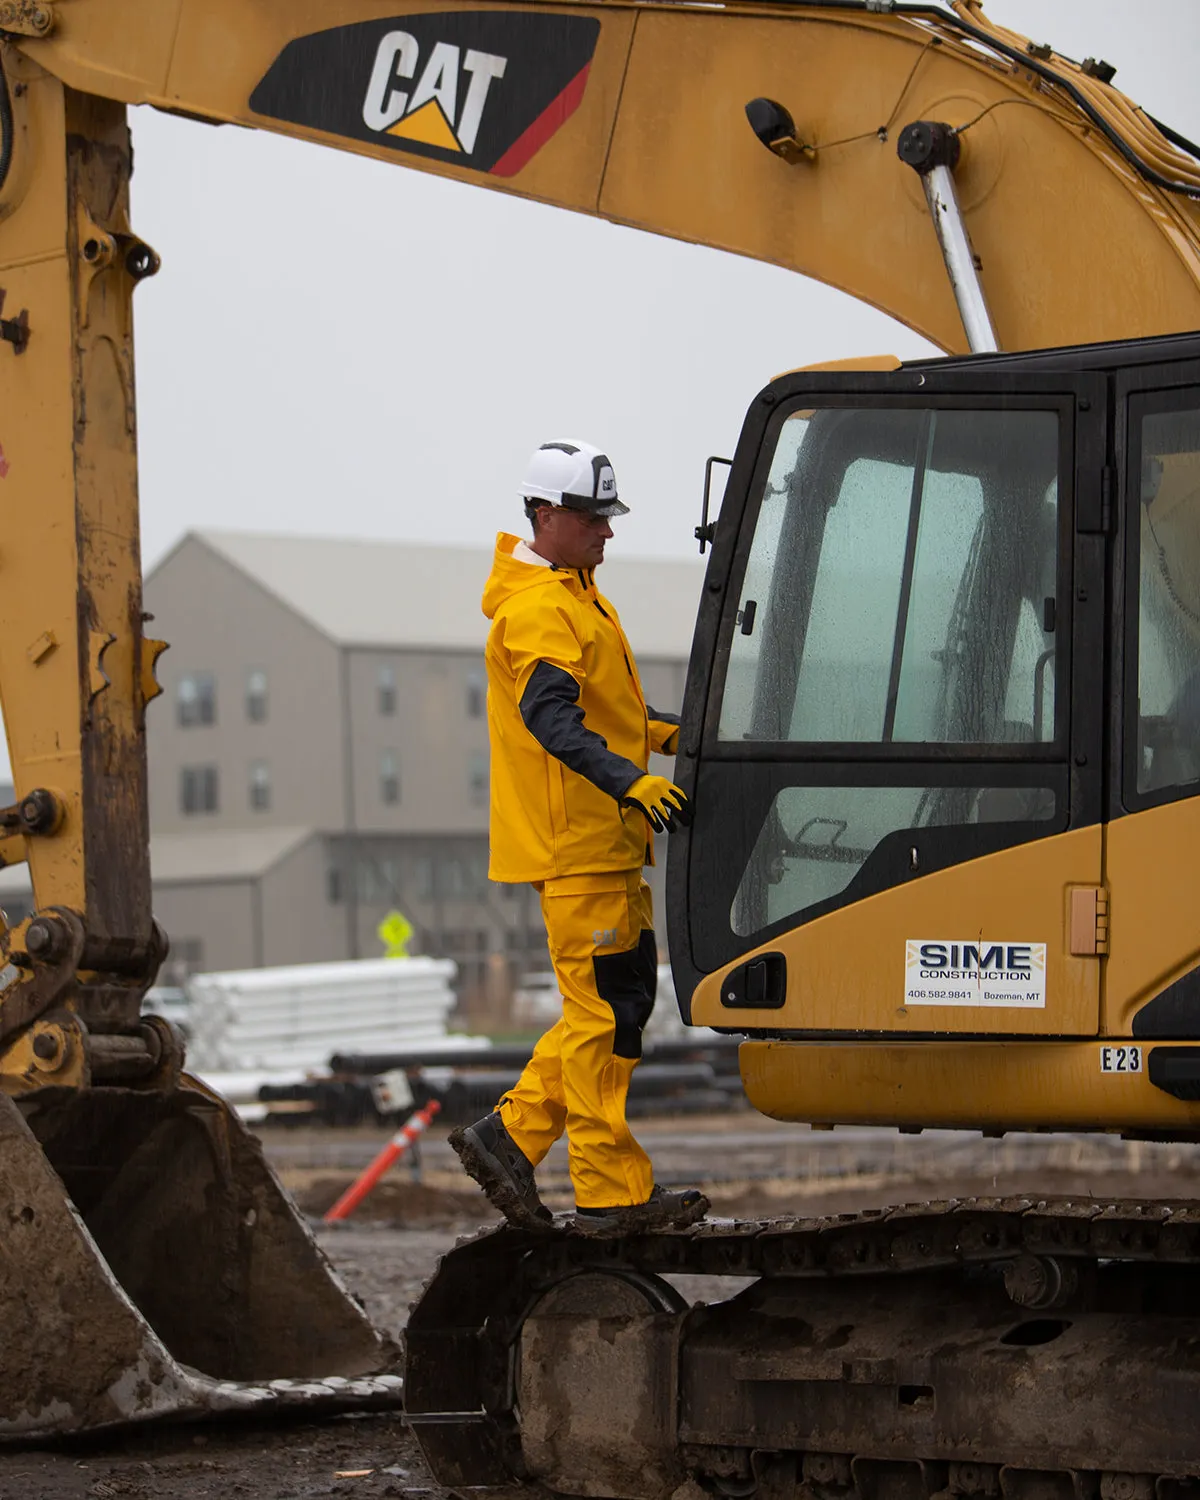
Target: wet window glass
901,583
1168,654
818,840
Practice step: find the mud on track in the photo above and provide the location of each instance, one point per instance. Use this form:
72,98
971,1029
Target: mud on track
751,1168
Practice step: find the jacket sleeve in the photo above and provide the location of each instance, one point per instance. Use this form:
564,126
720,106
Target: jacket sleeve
664,731
552,713
546,660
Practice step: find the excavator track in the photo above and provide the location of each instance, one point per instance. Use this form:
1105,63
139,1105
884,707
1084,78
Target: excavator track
1043,1350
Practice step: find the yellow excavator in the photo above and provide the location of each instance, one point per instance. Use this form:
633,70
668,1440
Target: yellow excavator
941,728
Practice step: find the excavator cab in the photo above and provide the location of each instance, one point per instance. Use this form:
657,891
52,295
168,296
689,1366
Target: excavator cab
942,727
940,731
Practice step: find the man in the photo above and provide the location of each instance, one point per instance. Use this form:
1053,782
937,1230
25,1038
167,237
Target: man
572,812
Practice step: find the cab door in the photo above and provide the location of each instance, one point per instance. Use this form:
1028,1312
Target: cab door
1152,981
893,721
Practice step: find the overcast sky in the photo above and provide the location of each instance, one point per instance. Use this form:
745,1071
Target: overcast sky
311,357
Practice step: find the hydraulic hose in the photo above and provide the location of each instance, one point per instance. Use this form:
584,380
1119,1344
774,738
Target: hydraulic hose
922,10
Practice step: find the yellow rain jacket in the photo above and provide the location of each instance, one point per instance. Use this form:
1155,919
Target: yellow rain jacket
570,730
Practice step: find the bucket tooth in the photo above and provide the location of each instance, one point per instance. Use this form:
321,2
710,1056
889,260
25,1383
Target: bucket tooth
151,1265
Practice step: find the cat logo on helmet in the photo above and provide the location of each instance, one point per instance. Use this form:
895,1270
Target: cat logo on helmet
483,89
575,474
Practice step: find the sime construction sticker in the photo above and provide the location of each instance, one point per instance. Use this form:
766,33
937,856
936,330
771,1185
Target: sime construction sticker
969,971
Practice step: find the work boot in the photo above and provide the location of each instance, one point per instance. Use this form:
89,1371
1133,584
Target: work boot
502,1170
662,1210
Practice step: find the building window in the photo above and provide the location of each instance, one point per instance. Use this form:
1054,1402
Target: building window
386,682
389,777
198,789
378,881
196,699
333,885
256,695
260,786
477,778
423,873
462,875
476,695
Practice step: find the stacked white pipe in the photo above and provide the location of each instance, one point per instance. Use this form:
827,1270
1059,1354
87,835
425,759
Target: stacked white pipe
295,1018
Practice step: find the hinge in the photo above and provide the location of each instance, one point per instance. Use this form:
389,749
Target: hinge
1089,921
1108,483
26,17
1094,505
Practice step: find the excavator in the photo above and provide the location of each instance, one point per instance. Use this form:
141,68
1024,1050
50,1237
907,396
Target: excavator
941,730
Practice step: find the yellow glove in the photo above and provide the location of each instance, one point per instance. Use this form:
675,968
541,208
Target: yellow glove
664,806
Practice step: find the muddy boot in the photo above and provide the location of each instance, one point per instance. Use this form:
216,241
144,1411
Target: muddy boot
502,1170
662,1210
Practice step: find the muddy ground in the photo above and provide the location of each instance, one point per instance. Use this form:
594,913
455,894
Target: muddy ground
751,1168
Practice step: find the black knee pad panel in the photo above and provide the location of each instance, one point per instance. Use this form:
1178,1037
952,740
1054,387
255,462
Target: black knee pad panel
629,982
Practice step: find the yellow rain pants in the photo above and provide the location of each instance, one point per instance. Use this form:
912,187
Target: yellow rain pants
600,929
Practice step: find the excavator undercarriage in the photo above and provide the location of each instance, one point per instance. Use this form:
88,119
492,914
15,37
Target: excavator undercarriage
985,1347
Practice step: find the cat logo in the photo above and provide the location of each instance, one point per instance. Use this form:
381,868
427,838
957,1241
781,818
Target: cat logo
481,89
429,113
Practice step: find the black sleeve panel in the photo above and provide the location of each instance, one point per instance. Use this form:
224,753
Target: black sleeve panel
654,715
552,713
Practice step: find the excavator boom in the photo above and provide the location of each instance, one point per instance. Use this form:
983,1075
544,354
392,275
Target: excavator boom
634,113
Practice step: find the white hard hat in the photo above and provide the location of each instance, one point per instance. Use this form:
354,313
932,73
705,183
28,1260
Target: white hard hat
574,474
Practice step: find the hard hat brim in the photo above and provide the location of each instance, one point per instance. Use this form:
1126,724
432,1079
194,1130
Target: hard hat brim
607,510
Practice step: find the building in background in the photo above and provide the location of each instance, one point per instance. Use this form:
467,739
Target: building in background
319,757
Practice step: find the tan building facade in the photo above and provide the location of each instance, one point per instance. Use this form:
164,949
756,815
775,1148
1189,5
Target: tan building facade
319,757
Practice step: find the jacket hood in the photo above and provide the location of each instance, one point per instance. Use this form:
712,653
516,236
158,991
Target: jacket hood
509,576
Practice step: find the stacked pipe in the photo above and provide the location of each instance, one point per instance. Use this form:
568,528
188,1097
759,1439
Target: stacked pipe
293,1018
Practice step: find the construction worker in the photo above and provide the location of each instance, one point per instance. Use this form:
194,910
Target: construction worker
573,811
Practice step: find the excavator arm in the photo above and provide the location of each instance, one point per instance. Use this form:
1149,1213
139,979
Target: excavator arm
1081,211
1062,212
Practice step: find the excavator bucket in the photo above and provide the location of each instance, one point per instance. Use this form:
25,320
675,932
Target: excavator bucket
152,1266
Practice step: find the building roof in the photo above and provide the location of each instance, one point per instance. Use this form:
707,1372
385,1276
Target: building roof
221,853
198,855
381,593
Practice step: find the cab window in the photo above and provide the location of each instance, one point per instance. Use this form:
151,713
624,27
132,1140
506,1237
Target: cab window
1166,756
901,584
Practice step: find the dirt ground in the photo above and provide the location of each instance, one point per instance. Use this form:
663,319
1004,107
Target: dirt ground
751,1168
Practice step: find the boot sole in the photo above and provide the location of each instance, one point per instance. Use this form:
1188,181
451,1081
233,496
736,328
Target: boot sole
493,1177
637,1219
